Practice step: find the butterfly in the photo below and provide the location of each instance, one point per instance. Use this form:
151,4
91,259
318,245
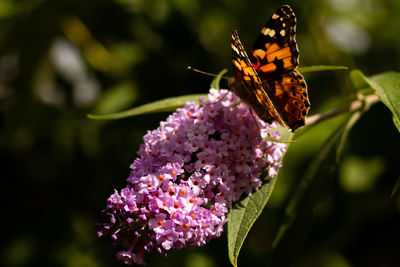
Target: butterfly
267,80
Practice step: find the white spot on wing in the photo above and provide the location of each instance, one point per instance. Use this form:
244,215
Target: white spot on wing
265,31
234,48
275,16
271,33
282,32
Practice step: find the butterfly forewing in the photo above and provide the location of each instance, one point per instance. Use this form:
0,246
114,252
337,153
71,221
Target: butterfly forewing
247,85
275,50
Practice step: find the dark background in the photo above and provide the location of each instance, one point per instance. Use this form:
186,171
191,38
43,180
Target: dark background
62,59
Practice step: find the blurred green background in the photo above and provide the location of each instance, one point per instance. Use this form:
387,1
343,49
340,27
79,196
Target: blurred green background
60,59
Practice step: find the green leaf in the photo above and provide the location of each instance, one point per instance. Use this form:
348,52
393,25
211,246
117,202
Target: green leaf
165,105
244,213
321,68
345,133
242,217
387,87
269,138
358,79
396,187
311,190
215,82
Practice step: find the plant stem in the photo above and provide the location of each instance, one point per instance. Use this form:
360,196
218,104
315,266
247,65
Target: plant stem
363,102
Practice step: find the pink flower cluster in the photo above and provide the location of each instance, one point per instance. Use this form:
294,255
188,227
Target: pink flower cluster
190,170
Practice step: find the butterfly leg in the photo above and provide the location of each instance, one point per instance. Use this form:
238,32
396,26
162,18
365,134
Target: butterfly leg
254,118
222,98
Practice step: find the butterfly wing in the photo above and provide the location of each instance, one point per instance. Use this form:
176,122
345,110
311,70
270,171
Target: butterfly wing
275,51
275,57
290,98
247,84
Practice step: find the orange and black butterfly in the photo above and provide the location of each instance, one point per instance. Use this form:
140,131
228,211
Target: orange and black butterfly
267,80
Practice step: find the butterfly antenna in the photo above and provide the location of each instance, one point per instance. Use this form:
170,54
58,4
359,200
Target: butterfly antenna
206,73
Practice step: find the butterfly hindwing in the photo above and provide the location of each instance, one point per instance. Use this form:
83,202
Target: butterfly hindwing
290,98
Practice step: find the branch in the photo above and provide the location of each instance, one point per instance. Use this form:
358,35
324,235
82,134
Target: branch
361,103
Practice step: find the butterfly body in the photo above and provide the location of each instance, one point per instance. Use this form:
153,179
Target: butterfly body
267,80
